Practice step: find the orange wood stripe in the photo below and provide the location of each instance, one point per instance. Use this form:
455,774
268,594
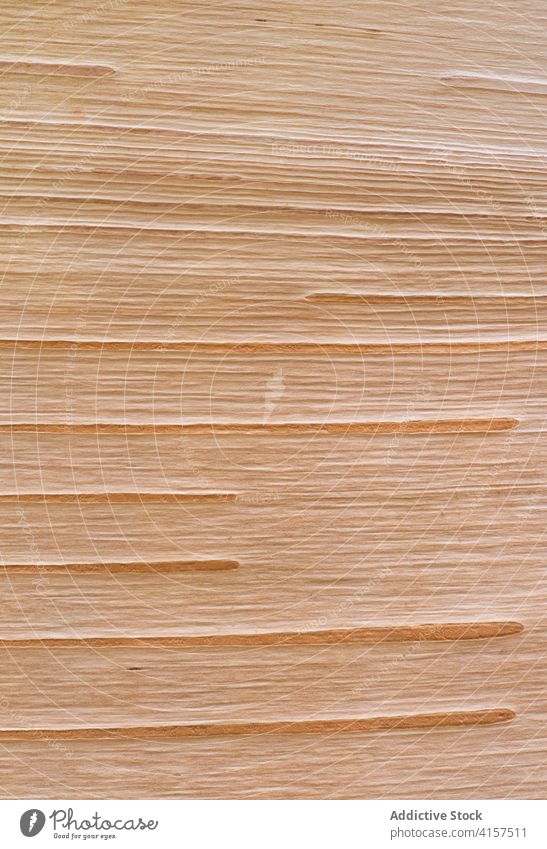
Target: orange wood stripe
455,719
294,348
123,568
416,633
119,497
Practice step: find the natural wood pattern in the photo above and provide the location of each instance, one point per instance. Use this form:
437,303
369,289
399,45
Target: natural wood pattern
325,726
119,498
168,683
272,400
450,631
158,566
342,428
230,385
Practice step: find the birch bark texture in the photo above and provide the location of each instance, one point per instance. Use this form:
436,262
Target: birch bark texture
273,373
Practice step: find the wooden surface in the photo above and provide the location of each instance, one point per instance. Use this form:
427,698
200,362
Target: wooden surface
273,374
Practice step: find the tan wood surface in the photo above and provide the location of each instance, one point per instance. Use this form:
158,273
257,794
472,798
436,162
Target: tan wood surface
273,384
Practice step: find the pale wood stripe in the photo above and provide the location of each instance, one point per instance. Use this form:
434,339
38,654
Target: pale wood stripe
65,69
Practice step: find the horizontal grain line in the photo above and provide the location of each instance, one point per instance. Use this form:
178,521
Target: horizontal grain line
456,719
245,207
268,139
420,300
352,636
293,348
122,568
66,69
497,82
471,425
117,497
310,232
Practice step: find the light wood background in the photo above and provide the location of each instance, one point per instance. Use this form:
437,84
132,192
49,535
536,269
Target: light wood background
273,380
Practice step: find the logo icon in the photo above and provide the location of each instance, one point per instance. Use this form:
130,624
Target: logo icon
32,822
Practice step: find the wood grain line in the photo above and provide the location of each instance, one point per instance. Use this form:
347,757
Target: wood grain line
65,69
352,636
122,568
334,145
420,300
497,82
455,719
118,497
395,237
294,348
471,425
